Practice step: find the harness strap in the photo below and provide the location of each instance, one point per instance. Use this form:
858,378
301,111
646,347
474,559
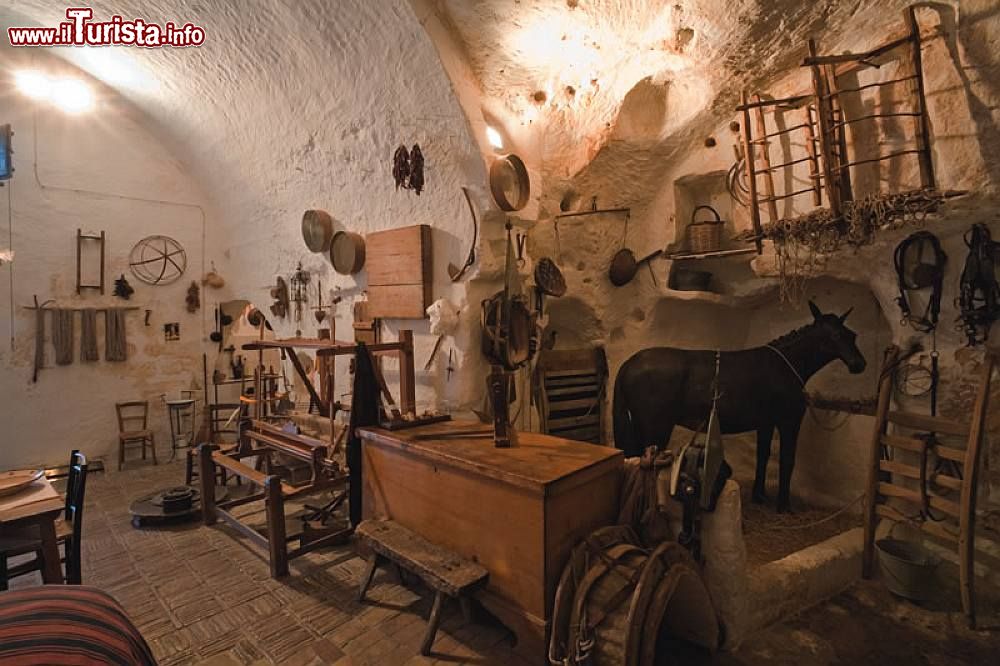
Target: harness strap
789,364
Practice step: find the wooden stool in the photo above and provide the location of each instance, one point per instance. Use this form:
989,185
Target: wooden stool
441,570
134,412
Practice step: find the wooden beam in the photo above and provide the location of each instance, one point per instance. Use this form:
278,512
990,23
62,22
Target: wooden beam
253,535
276,537
928,423
765,155
967,520
823,116
923,123
407,379
206,478
748,160
874,455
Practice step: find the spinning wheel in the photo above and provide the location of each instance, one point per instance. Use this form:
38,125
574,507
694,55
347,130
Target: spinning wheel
157,260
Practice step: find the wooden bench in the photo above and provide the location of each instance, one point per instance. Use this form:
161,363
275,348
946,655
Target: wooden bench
441,570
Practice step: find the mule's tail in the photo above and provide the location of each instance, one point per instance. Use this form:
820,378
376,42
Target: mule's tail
625,438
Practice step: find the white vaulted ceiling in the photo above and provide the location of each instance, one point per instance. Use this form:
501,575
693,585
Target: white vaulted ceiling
612,86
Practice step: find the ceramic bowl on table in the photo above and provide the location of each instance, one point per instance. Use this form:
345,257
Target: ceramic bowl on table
17,480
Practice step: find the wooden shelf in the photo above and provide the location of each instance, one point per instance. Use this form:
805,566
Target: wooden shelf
718,254
761,293
248,379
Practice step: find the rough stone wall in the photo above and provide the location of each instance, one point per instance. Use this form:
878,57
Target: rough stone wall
664,79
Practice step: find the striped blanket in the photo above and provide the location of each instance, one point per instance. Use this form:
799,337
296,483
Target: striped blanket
58,625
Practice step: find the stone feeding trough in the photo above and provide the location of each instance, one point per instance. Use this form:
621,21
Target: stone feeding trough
751,589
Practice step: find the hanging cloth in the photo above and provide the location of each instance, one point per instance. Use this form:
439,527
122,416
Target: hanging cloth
115,344
365,406
39,340
62,335
88,335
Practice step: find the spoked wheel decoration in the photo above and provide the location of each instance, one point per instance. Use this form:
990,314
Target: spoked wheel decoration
157,260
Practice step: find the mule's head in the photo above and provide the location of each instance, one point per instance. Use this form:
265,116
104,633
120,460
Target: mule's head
837,339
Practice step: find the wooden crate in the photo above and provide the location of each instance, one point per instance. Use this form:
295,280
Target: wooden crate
518,512
572,389
399,265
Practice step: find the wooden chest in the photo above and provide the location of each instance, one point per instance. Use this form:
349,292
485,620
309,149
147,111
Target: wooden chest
518,512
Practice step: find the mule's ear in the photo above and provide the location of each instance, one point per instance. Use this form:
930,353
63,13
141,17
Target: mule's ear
815,311
844,316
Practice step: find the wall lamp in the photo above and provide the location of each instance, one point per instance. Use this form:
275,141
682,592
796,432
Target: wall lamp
69,94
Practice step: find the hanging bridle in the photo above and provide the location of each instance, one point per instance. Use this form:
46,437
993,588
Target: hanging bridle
920,275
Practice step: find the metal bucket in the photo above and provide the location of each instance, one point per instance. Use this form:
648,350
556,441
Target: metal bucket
907,568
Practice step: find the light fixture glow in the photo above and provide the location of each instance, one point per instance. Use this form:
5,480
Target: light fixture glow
493,136
72,95
69,94
33,84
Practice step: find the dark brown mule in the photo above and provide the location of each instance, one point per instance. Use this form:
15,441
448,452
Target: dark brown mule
761,389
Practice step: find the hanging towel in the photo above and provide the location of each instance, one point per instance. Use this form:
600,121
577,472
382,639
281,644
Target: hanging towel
62,335
88,335
39,340
115,344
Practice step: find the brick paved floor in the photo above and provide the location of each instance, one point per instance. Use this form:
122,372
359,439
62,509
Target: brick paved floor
204,596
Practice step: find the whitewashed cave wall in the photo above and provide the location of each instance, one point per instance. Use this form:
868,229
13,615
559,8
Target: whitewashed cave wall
323,136
86,164
291,106
961,74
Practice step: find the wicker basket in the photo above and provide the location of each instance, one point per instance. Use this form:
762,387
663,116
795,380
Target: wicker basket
705,236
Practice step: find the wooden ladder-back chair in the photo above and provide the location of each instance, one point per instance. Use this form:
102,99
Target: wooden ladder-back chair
69,532
887,475
130,414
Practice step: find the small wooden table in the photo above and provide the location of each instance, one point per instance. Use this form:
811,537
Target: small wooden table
517,512
39,505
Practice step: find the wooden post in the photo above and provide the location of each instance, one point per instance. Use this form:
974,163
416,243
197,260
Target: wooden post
407,379
923,123
970,483
874,455
813,158
748,158
276,538
765,155
839,128
823,116
432,624
206,479
79,258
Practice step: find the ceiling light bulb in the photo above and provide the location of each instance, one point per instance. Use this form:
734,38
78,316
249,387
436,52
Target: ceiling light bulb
72,95
33,84
493,136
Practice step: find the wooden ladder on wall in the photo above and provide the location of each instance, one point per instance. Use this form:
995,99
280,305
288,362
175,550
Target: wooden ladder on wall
907,484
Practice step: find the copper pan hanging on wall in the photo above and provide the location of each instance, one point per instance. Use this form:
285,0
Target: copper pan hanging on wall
624,266
347,252
317,230
509,183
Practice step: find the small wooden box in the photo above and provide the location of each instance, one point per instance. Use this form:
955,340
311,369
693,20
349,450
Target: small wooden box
399,272
518,511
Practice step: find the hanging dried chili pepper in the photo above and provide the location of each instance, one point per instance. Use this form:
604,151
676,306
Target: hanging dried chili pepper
416,169
401,167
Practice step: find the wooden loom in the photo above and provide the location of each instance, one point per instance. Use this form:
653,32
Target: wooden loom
263,441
